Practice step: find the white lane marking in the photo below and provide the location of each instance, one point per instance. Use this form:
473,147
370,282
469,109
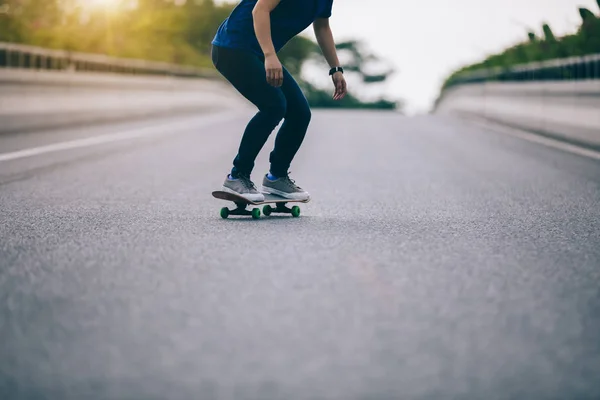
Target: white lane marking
116,137
543,140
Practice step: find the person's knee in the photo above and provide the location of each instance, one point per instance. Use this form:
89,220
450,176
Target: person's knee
300,115
276,110
306,115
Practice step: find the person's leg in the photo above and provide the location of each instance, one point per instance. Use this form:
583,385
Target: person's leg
292,132
246,72
288,141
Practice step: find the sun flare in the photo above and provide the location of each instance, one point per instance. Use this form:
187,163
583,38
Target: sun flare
108,4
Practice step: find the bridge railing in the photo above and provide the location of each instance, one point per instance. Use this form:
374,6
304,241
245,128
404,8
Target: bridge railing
557,98
38,58
43,89
572,68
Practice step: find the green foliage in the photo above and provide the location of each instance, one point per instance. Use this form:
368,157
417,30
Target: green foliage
174,31
320,98
296,52
548,34
358,59
585,41
586,15
156,30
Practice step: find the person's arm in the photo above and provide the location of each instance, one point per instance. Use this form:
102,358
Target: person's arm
262,27
327,45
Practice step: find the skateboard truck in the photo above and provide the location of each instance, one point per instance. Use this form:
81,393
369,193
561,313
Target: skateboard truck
240,210
281,209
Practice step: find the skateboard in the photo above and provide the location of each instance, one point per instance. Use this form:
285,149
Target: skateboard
242,204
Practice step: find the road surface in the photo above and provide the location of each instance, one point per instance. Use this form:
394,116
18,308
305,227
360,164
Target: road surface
437,260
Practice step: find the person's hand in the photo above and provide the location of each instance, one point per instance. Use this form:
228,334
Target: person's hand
340,85
274,70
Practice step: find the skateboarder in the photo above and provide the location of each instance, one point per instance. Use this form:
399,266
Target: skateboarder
245,51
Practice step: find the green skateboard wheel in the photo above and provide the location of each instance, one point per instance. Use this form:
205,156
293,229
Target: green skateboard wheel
256,213
267,210
295,211
224,212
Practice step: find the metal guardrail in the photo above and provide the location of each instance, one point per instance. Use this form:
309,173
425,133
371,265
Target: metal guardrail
572,68
38,58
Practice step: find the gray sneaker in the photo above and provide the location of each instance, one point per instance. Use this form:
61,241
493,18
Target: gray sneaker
243,186
284,187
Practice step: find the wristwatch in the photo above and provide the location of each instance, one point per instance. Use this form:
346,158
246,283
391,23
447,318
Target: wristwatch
336,69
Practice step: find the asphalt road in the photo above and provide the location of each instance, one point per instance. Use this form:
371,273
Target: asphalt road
436,260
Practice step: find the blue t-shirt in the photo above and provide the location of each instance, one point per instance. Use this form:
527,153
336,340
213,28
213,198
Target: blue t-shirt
288,19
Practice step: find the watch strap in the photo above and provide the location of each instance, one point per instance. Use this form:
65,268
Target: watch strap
336,69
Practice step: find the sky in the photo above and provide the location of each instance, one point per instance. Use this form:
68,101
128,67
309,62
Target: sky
426,40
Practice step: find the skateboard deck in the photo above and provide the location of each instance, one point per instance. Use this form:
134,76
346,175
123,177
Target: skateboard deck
242,203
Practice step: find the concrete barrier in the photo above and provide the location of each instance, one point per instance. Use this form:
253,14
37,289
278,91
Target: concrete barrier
42,99
566,110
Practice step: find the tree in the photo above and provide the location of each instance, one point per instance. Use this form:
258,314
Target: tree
174,31
296,52
28,21
586,15
585,41
589,33
359,61
548,34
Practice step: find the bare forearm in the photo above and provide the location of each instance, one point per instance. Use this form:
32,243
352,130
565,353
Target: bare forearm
262,27
327,44
261,16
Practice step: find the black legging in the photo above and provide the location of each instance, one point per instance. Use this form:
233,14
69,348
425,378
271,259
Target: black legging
246,72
